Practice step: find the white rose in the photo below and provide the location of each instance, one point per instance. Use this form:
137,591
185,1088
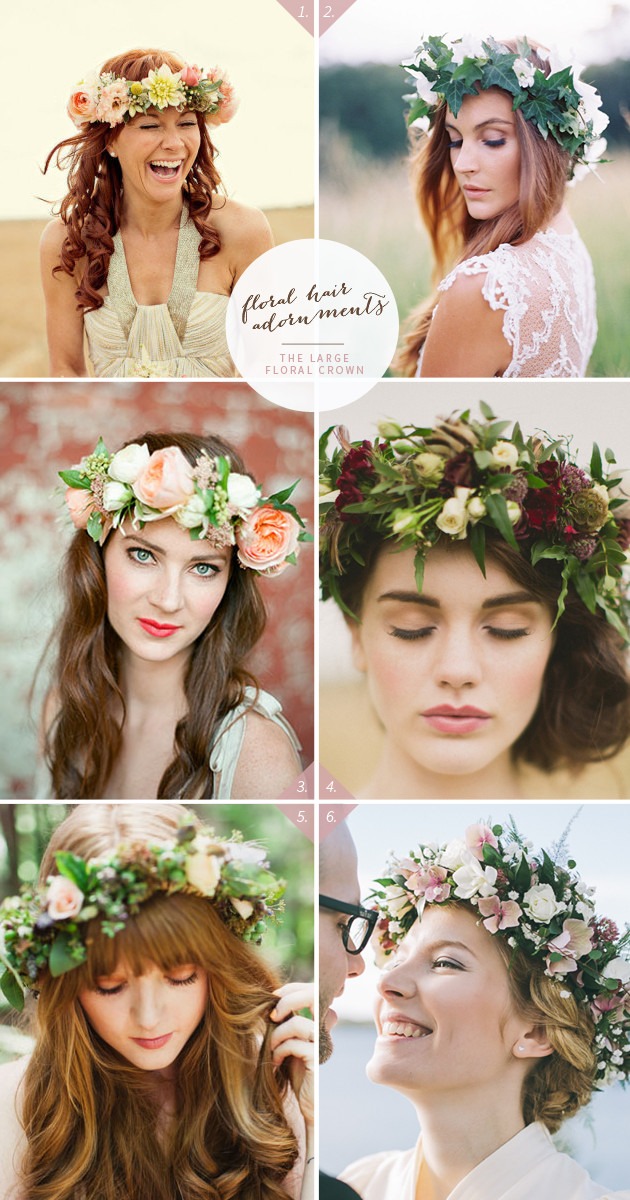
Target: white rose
504,454
473,879
191,514
116,495
617,968
203,872
456,854
430,466
403,521
513,511
601,490
541,903
397,900
127,464
242,492
476,508
453,518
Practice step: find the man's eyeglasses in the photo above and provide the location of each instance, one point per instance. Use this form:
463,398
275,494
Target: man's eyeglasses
357,932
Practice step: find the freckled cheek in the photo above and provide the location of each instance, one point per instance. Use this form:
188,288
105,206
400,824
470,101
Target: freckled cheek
395,678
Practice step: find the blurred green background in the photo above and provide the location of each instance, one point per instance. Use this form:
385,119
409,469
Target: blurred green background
366,200
26,829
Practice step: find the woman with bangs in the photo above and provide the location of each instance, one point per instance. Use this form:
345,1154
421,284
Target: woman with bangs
498,131
168,1061
147,247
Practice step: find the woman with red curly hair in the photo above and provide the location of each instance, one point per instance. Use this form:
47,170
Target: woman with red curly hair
146,248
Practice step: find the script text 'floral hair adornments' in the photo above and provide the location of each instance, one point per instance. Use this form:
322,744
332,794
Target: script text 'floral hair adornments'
46,928
111,100
541,907
560,104
464,477
209,499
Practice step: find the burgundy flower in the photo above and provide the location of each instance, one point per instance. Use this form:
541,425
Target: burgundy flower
458,472
574,479
605,930
542,504
355,469
623,537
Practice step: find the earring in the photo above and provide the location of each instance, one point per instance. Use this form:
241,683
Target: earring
112,154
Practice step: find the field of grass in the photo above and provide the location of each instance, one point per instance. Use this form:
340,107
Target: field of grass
369,206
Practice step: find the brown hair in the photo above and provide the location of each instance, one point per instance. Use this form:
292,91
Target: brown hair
83,741
583,714
92,207
90,1119
455,235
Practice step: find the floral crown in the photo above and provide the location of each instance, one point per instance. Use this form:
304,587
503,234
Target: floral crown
540,906
47,928
209,499
465,477
112,99
559,104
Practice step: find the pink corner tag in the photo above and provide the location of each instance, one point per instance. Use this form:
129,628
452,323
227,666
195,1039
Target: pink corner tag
331,789
331,816
302,788
302,816
304,13
329,13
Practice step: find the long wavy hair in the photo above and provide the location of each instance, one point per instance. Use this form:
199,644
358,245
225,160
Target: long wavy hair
455,235
91,209
583,714
85,735
92,1124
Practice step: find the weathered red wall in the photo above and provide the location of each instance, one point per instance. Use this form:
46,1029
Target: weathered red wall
48,426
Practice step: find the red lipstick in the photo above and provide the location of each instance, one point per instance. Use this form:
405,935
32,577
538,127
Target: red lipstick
153,1043
156,629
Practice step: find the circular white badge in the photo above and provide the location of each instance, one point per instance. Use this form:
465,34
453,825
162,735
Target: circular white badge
312,325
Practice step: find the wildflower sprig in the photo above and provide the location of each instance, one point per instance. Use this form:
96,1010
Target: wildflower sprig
541,907
466,478
560,104
46,928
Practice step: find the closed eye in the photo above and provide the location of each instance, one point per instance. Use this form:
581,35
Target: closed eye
412,635
101,991
506,635
183,982
494,142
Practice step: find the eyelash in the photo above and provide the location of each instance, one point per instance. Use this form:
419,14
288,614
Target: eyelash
118,989
415,635
493,143
448,962
132,551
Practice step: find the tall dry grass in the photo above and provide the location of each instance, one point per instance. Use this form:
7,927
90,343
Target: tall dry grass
369,206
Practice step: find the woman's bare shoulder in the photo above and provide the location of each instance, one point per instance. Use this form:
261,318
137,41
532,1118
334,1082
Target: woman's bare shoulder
12,1137
53,237
268,762
244,231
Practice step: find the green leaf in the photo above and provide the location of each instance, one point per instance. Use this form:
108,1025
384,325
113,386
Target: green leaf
478,546
596,462
546,872
418,564
12,990
336,595
609,455
303,536
75,479
279,498
523,876
290,558
586,590
95,526
72,868
483,458
100,447
498,513
486,410
61,960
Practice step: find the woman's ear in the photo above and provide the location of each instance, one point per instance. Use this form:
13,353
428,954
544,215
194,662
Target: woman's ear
358,653
532,1043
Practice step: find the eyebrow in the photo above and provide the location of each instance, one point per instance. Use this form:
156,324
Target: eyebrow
503,601
212,553
482,124
445,943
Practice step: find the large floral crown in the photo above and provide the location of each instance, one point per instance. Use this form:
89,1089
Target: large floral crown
463,478
209,499
47,928
539,906
559,104
111,99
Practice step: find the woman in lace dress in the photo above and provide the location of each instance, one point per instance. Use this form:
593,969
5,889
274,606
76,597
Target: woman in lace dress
168,1060
515,288
150,693
147,249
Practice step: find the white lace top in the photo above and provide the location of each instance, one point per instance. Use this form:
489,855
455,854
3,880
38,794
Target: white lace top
546,289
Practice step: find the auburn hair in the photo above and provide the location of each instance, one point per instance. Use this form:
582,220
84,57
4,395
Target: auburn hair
85,735
92,207
583,715
455,235
92,1123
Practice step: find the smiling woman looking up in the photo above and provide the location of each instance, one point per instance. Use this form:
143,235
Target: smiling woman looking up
147,248
479,574
498,129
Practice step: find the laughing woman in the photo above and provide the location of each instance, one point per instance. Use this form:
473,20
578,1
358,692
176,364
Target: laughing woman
147,248
498,131
151,696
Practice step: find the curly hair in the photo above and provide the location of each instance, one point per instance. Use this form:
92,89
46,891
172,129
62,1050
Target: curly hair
583,713
455,235
90,1117
81,750
91,209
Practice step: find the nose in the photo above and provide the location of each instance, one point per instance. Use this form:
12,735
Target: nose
355,965
146,1005
166,592
395,981
457,661
172,137
465,158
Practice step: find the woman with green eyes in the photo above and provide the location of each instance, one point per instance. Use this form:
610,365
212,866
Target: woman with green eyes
480,577
150,693
147,248
498,131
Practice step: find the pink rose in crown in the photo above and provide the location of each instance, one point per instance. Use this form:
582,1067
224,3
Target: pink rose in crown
113,102
575,941
190,76
166,481
477,836
228,102
265,538
80,506
81,106
63,898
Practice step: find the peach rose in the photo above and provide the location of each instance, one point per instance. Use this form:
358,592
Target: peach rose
166,481
81,106
265,538
203,872
229,101
113,102
63,898
190,76
80,506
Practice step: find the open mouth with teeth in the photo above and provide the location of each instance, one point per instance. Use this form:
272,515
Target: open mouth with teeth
165,169
405,1029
